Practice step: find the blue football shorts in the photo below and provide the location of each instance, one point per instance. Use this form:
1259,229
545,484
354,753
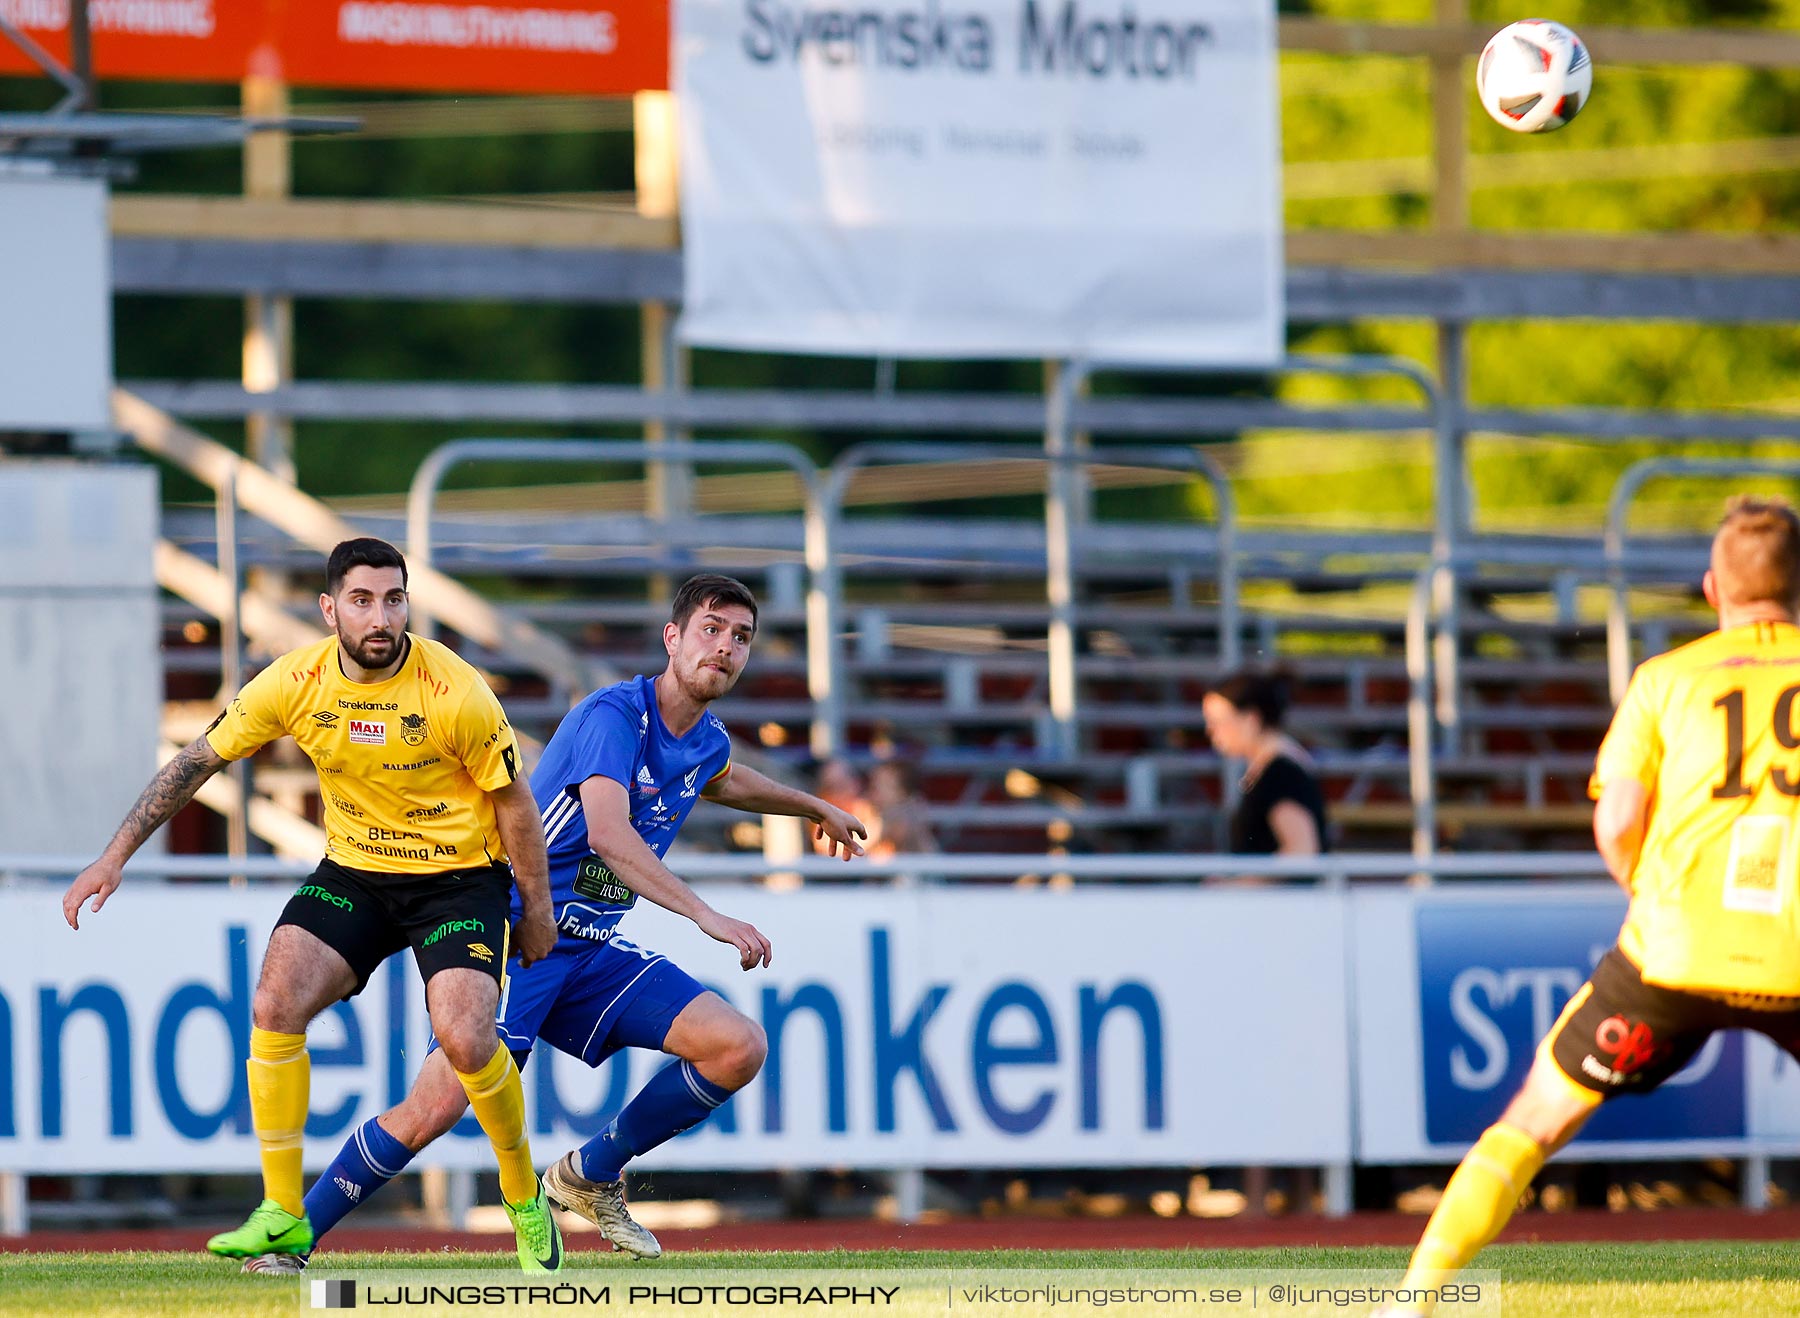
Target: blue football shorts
593,1001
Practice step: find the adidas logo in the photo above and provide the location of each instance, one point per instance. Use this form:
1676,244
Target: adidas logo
645,782
351,1189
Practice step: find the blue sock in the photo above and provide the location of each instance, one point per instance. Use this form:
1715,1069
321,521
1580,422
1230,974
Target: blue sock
677,1097
369,1159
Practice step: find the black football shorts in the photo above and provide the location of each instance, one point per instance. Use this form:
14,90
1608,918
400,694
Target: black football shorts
454,919
1619,1035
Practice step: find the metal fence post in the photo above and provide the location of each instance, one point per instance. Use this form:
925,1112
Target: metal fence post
1753,1188
15,1205
1420,735
1059,559
231,659
1452,521
825,676
909,1193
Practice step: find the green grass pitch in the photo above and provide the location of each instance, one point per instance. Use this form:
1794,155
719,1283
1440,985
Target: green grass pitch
1662,1280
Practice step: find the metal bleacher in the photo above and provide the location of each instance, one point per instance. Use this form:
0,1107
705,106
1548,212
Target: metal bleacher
942,655
1048,690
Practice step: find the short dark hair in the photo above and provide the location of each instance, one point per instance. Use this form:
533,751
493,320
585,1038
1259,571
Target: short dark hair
710,588
364,551
1265,693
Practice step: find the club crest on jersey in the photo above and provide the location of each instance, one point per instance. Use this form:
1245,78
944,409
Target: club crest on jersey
687,782
412,729
367,732
645,783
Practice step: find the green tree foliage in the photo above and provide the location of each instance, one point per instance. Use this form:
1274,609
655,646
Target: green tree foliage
1664,150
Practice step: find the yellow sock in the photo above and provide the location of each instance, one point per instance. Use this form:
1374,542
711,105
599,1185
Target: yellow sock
499,1102
1478,1201
280,1084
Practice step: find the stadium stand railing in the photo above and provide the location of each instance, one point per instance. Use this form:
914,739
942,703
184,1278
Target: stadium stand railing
960,686
941,630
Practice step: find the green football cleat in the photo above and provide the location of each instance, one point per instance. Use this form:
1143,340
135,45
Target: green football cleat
270,1230
540,1243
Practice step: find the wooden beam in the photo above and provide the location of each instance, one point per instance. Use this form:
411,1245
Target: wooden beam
656,136
308,219
290,834
481,116
1758,48
409,223
268,349
1659,253
752,492
1449,130
1465,814
305,519
1315,180
269,626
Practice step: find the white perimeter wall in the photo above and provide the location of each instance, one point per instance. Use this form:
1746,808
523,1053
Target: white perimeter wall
80,668
938,1027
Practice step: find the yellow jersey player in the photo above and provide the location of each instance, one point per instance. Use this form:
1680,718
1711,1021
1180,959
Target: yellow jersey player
1698,817
424,806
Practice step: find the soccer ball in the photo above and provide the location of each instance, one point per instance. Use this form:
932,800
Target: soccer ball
1534,75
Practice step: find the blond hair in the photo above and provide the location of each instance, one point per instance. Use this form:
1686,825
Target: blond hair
1756,553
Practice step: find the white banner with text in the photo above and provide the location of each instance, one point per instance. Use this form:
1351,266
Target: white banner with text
933,1026
982,178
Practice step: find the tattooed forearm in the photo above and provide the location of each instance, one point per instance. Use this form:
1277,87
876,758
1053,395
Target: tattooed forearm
173,787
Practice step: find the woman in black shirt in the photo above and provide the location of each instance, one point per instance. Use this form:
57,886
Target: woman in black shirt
1281,813
1282,809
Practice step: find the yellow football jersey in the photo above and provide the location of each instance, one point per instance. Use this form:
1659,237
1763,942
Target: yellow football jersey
1711,731
404,765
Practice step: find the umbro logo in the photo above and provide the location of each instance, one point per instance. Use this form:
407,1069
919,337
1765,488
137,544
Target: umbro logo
325,717
481,950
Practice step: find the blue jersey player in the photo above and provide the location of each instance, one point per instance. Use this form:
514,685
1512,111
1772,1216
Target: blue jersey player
615,784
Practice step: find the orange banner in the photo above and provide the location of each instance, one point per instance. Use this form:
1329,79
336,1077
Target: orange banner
564,47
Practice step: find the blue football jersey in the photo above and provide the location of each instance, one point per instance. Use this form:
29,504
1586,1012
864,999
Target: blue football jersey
617,733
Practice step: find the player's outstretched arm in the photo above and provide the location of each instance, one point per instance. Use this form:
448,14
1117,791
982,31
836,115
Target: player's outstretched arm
522,830
173,787
743,788
606,807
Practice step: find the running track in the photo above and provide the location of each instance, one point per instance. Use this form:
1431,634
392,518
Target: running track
1027,1233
